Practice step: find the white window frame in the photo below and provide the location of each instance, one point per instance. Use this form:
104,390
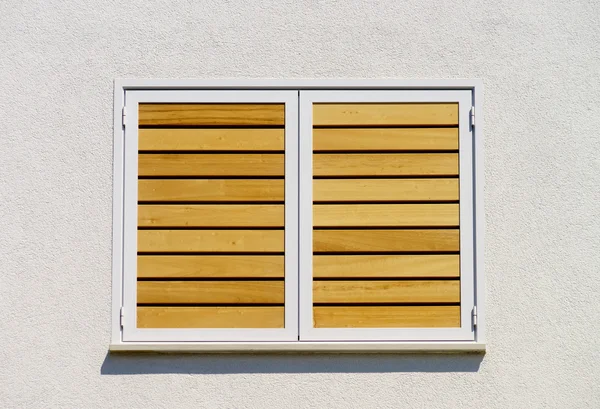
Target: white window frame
466,331
130,190
177,340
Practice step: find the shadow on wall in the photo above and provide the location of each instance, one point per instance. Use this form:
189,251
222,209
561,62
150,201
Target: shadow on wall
140,363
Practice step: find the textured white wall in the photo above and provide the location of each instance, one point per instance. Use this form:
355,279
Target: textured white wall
540,62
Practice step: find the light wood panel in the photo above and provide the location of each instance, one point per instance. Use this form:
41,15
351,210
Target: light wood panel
411,291
396,164
211,215
390,114
249,190
210,165
343,135
401,266
385,240
197,139
211,114
210,241
393,215
210,266
384,190
210,292
386,317
365,139
210,317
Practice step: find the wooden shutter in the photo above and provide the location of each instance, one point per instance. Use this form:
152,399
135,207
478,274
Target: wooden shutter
215,247
386,219
211,214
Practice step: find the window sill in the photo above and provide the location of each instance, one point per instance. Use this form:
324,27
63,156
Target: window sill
278,347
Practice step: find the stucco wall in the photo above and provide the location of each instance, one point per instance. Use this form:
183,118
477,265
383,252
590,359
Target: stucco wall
540,62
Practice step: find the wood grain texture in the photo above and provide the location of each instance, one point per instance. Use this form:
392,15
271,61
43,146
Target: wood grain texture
396,164
392,215
202,139
381,139
210,317
210,266
211,215
400,266
385,240
393,114
385,190
412,291
386,317
211,114
210,292
211,190
210,164
212,241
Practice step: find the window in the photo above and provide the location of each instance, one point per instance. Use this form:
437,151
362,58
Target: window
296,217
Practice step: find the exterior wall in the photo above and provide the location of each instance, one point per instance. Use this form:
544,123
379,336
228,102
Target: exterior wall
540,65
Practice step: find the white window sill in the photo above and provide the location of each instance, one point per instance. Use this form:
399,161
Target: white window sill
275,347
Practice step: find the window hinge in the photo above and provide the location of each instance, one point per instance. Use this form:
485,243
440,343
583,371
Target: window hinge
474,313
121,319
472,117
123,116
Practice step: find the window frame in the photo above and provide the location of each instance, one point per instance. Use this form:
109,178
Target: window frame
307,332
130,331
261,344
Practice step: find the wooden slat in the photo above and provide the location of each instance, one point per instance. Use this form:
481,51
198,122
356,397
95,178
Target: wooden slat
411,291
216,241
384,190
210,164
393,215
397,164
210,292
400,266
199,139
211,114
211,190
210,266
211,215
386,317
210,317
365,139
385,240
385,114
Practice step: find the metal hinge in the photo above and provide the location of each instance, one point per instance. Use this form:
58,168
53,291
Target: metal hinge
122,316
472,117
123,116
474,314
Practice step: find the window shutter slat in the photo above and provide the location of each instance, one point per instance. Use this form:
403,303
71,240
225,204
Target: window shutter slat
211,114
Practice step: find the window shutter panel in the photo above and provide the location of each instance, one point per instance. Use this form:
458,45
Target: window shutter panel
386,216
210,215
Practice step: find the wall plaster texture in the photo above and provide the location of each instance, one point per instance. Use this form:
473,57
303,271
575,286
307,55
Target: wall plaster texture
540,63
